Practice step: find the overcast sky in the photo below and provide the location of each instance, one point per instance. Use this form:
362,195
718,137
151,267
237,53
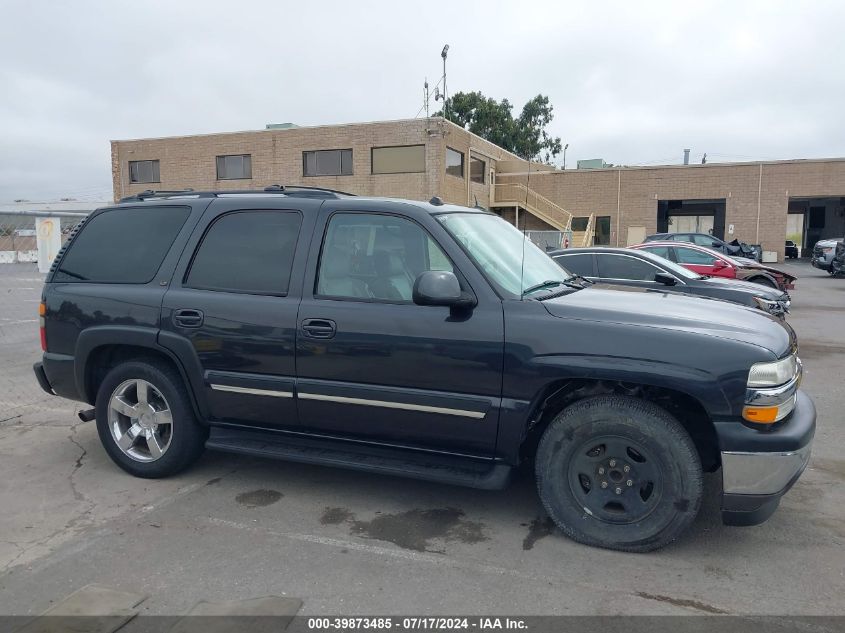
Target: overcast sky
630,82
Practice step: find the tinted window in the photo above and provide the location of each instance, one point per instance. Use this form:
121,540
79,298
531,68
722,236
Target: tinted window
247,251
122,245
704,240
625,267
368,256
692,256
660,251
577,263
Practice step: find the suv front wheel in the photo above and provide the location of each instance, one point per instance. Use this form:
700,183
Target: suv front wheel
145,420
620,473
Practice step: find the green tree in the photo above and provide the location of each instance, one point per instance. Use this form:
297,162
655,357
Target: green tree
493,120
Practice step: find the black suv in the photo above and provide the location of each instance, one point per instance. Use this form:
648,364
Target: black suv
422,340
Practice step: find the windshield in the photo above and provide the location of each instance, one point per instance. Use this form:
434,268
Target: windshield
672,267
497,249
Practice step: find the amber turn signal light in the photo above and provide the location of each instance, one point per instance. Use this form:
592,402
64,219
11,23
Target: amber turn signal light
760,415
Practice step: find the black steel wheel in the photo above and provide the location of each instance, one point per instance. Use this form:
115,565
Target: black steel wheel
619,472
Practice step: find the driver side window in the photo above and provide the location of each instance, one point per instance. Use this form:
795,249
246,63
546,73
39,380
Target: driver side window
375,257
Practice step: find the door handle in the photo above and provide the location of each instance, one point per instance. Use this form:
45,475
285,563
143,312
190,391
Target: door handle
319,328
188,318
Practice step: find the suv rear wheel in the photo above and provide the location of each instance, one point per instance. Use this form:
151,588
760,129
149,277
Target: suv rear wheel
145,420
620,473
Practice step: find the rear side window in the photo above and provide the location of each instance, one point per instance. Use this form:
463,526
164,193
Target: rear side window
122,245
247,251
624,267
577,263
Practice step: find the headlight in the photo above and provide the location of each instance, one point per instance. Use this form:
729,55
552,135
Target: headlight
827,249
772,307
773,374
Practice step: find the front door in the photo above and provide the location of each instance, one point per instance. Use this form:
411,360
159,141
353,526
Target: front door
374,366
231,309
703,263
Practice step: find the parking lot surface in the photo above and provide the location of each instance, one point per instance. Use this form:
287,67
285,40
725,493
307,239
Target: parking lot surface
351,543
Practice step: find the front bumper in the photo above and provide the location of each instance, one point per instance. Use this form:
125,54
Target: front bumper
760,466
820,262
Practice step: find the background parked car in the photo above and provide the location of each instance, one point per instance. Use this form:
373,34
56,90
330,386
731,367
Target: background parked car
642,269
735,248
791,250
706,261
823,253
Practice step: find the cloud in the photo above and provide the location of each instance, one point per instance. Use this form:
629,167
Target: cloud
630,82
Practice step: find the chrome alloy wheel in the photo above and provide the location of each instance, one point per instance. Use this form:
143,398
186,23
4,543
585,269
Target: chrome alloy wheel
140,420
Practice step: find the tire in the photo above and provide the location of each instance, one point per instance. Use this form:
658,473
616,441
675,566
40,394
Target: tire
665,472
153,448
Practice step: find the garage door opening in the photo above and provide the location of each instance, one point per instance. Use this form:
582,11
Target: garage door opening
814,219
691,216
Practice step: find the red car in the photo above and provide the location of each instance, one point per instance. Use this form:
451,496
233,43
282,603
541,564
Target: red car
705,261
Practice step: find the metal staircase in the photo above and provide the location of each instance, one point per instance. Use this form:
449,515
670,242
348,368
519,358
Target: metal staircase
517,195
585,237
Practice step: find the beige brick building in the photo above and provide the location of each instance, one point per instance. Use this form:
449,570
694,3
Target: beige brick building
759,203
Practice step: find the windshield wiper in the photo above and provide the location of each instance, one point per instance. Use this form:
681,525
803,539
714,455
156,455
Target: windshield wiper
549,283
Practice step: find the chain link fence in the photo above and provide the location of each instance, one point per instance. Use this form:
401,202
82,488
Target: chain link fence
21,399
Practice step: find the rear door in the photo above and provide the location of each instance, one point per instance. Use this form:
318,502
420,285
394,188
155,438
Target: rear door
230,312
628,270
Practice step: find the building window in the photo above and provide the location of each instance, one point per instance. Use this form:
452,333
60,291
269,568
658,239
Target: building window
144,171
398,160
329,162
454,163
237,167
477,169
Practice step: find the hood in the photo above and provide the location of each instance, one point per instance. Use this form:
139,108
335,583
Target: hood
757,290
830,242
750,263
673,311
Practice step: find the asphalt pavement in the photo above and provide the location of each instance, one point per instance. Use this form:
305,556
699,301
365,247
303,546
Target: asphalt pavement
348,543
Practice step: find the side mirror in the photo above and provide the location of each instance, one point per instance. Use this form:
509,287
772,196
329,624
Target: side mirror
441,288
715,245
719,264
665,278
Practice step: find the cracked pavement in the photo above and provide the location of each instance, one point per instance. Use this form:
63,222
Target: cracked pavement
350,543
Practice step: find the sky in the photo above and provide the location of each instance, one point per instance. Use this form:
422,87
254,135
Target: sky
631,82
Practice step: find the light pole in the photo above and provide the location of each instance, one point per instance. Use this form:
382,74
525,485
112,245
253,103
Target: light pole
565,147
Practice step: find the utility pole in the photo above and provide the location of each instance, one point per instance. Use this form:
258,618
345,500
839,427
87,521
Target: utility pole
443,54
425,96
565,147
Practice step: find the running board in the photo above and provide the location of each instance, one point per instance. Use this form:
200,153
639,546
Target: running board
486,475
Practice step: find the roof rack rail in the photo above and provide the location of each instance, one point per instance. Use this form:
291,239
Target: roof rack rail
291,190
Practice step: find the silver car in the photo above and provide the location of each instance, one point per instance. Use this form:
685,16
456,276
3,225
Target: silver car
823,252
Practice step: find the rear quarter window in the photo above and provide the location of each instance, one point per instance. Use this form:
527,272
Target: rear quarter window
125,245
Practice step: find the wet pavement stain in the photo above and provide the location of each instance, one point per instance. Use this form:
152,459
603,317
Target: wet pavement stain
335,516
413,529
683,602
211,482
541,527
258,498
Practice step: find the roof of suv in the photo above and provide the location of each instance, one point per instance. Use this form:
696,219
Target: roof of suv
433,206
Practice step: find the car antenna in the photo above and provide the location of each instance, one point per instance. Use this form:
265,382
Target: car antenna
524,237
